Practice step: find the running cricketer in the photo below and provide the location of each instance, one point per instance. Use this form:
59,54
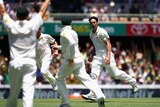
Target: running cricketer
44,56
104,58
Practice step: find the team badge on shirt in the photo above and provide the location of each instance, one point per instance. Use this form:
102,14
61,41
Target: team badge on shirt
62,34
5,20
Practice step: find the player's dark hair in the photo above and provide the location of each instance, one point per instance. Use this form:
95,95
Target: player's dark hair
36,7
93,17
66,21
22,13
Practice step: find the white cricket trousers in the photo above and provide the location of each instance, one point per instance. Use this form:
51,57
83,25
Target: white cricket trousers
44,66
22,74
98,64
79,72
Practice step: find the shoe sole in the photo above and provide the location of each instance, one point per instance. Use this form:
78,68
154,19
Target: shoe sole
88,98
85,98
133,92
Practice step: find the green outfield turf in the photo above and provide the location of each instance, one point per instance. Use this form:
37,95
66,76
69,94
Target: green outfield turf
110,102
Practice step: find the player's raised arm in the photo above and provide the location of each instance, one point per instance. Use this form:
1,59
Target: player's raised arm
44,7
2,8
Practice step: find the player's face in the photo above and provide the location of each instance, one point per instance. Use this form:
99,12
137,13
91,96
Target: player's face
93,23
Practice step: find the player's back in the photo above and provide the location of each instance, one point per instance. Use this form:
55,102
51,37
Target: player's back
22,40
69,43
22,36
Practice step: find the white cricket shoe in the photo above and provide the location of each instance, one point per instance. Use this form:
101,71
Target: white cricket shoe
89,96
135,88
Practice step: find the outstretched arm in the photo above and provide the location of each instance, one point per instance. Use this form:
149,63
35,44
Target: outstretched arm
55,50
44,7
2,8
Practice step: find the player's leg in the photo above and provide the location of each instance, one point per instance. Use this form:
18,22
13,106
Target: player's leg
15,83
62,73
122,75
45,70
81,75
29,78
95,72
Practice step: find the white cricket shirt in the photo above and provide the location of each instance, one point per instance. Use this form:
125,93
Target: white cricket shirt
69,43
98,39
43,46
22,36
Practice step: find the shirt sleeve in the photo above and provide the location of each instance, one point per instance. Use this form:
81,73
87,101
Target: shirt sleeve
104,35
50,39
8,22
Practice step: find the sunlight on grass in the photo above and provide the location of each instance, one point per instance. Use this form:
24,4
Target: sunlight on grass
110,102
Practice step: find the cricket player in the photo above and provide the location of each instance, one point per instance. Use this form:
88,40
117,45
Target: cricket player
104,58
44,56
22,43
73,62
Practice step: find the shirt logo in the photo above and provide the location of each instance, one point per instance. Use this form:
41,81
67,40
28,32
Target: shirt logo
6,20
62,34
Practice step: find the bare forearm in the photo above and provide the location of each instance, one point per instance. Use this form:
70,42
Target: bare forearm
108,46
2,8
44,7
55,50
55,46
108,50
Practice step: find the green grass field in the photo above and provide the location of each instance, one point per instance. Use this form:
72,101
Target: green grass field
110,102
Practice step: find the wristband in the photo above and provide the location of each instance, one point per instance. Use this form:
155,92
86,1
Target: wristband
58,47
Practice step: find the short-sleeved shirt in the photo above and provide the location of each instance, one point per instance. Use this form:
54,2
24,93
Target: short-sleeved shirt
69,43
43,46
98,39
22,36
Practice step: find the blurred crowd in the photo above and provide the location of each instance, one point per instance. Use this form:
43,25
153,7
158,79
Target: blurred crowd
106,6
99,8
141,63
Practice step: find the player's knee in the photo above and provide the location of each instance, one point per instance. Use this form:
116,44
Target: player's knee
114,72
117,75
